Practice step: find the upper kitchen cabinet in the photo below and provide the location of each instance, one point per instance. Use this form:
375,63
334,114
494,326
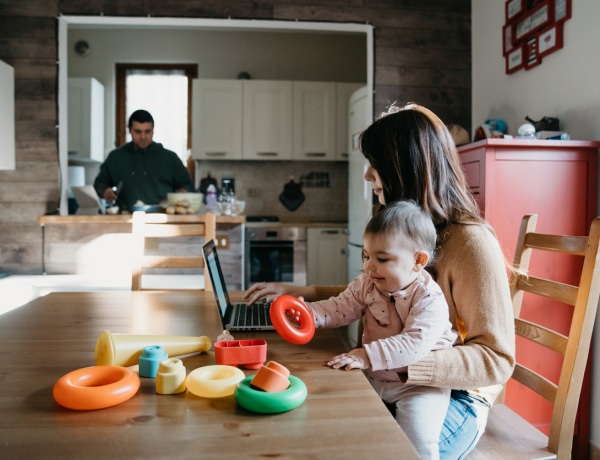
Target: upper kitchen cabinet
270,120
314,121
342,98
86,119
217,119
267,120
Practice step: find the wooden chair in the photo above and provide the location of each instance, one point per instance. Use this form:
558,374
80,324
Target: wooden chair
509,436
166,226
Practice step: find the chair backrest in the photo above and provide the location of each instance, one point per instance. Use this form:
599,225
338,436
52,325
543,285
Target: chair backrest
157,225
574,347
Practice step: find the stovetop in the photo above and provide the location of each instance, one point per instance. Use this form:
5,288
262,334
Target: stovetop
262,219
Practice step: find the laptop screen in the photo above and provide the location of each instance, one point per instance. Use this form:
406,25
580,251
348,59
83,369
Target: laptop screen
87,200
211,259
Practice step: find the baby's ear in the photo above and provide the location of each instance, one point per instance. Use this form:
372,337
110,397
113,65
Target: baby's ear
421,259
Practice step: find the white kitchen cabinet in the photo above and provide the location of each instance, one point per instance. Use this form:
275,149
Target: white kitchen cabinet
314,121
270,120
86,119
326,256
217,119
267,120
7,117
342,97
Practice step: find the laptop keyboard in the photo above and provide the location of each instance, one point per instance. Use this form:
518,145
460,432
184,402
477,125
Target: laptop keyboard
253,316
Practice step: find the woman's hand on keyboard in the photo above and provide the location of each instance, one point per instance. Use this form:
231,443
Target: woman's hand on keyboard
269,291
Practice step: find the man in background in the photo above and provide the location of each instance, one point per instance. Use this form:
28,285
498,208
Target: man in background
141,170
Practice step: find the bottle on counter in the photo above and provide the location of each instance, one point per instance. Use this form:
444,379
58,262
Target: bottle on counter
211,198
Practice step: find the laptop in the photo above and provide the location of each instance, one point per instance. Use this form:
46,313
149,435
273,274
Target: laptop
87,200
239,316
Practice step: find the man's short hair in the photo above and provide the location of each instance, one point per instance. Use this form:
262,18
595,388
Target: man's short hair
141,116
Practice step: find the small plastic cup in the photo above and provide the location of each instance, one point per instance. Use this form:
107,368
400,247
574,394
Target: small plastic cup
272,378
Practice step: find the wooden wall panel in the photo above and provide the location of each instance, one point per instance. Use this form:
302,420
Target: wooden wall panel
422,54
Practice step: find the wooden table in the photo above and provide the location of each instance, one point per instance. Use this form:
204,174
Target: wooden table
342,416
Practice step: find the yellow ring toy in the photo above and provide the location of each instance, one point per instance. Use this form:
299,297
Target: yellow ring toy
214,381
96,387
266,402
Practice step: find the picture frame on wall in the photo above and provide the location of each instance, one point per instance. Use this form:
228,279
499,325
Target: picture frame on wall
507,44
536,18
515,60
533,29
562,10
550,39
514,8
531,58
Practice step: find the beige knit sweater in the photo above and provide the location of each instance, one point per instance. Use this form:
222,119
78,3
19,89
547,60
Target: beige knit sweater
469,267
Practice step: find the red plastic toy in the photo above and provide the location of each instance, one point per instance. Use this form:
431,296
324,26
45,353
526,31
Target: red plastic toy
293,333
249,353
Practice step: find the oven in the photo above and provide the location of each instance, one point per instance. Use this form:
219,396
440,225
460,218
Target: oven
274,253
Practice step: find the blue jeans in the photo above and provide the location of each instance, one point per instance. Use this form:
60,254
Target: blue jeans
464,424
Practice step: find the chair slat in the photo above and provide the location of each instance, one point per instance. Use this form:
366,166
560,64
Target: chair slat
536,382
541,335
172,262
553,290
557,243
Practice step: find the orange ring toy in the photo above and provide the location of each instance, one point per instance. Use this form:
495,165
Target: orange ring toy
96,387
285,328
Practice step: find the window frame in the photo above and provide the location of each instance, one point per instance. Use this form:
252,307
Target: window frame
191,72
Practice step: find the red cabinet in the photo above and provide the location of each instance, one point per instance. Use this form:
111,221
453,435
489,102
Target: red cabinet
558,181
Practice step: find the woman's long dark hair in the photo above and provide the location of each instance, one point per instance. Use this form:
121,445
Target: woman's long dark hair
414,154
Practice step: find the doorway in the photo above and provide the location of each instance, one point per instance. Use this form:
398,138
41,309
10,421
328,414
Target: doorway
311,31
164,90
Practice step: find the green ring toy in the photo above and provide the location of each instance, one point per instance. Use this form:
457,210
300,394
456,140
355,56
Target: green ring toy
270,402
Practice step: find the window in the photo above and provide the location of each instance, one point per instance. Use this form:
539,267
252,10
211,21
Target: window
164,90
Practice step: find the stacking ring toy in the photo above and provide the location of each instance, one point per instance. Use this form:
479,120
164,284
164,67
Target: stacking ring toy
214,381
285,328
96,387
266,402
272,377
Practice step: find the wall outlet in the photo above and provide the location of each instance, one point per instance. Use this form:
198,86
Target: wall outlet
222,241
254,192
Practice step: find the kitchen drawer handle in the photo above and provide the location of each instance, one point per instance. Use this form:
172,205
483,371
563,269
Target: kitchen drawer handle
267,154
315,154
216,154
330,232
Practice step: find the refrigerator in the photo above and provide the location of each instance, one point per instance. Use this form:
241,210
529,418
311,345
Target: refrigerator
360,194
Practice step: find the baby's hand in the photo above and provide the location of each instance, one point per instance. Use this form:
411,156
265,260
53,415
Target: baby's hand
355,359
293,316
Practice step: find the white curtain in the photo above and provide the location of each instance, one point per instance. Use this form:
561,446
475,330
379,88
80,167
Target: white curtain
165,95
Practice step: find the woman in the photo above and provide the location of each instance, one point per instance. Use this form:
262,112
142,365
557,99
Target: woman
413,157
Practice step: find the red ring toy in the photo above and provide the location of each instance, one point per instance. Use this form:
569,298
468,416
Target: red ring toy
96,387
286,329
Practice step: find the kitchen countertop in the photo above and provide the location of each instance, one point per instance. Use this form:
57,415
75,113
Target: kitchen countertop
126,219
